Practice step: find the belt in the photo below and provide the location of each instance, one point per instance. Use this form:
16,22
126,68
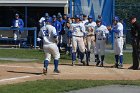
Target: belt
78,36
90,35
119,37
100,39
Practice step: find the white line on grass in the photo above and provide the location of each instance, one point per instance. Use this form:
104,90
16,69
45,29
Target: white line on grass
15,78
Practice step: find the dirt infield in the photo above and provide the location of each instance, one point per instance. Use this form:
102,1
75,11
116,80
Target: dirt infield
21,72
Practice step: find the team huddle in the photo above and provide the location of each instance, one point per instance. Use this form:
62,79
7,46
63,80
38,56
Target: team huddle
79,35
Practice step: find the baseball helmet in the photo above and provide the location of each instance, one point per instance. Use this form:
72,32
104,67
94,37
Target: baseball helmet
89,17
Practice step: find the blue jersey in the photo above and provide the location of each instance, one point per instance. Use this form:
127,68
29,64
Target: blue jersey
57,26
18,23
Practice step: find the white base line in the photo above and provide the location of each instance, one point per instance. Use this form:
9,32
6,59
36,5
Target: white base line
19,66
15,78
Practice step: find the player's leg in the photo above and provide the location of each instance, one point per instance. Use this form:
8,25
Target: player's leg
56,55
81,46
96,52
46,61
74,48
102,50
120,49
88,50
116,53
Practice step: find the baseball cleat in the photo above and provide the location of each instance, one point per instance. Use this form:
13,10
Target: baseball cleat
98,63
116,65
56,71
44,71
83,63
120,65
101,65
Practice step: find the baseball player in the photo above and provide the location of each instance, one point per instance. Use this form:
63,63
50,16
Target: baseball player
17,23
118,41
84,19
90,38
100,34
58,28
49,36
78,31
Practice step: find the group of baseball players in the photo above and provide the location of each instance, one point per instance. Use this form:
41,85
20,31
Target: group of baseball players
79,34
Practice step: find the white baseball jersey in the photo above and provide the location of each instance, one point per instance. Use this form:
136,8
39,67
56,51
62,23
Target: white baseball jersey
49,42
78,29
101,32
118,27
48,34
84,21
16,24
100,39
90,27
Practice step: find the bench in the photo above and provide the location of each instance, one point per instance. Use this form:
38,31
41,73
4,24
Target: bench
6,34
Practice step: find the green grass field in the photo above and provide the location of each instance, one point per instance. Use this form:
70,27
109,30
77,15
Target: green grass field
59,86
37,54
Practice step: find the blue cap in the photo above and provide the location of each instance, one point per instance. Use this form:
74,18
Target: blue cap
59,16
46,14
89,17
116,18
77,16
54,16
16,14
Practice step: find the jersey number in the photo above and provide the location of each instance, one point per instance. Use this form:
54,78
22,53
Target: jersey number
46,32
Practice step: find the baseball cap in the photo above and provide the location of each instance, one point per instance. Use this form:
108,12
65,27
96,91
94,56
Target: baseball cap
54,16
116,18
98,20
16,14
77,16
59,16
84,15
46,14
89,17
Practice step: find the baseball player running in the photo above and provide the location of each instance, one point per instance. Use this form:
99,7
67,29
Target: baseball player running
50,38
90,38
100,33
78,31
118,41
